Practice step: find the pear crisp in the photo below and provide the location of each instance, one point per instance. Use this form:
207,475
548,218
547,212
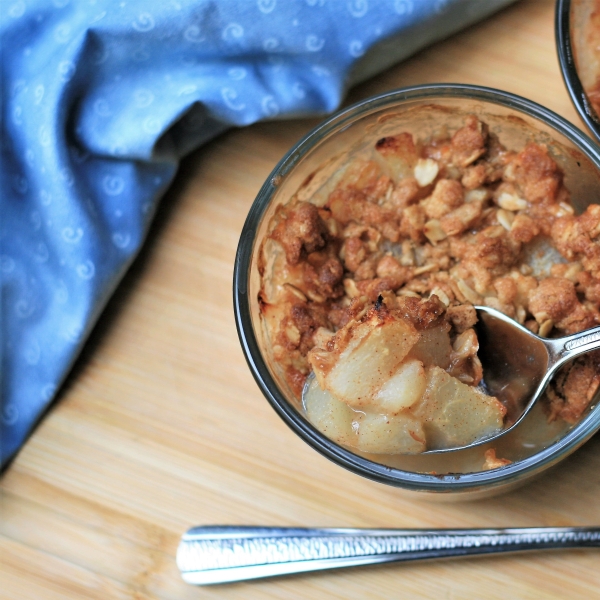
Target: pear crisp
371,285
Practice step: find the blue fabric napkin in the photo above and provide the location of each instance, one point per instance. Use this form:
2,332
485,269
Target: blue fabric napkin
100,100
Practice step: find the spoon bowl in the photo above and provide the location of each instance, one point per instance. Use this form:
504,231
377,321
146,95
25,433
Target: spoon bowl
518,364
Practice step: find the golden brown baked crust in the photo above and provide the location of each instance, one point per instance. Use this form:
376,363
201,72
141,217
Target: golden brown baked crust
458,220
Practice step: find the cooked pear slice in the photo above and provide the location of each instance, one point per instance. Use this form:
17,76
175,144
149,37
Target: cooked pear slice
330,416
455,414
365,355
405,387
433,346
390,434
399,154
370,432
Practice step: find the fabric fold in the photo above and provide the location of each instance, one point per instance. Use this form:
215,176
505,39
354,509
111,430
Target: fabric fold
102,98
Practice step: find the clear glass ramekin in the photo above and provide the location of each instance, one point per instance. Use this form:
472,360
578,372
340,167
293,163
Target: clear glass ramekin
422,110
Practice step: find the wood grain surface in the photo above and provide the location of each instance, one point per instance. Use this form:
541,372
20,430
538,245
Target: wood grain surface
161,426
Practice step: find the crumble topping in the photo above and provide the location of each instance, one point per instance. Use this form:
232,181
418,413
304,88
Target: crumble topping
431,228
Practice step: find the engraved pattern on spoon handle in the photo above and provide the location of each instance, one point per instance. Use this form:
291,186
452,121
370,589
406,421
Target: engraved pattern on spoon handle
221,554
584,339
577,343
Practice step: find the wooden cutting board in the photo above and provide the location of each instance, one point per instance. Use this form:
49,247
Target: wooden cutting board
161,425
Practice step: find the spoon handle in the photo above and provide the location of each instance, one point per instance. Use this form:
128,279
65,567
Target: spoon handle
567,348
223,554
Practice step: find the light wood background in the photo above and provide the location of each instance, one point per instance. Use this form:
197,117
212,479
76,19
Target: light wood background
162,427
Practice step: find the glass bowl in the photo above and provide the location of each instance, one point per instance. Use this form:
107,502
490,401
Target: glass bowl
578,58
535,445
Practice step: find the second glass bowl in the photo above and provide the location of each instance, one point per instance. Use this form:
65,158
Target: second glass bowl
579,56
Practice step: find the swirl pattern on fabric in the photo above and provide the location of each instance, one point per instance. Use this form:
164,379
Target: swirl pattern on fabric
101,98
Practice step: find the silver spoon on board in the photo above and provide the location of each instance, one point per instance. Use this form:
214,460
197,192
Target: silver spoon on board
224,554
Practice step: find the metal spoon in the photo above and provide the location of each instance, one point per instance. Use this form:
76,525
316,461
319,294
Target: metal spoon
224,554
518,365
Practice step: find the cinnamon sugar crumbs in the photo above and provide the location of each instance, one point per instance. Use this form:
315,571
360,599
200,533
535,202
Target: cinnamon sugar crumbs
450,219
